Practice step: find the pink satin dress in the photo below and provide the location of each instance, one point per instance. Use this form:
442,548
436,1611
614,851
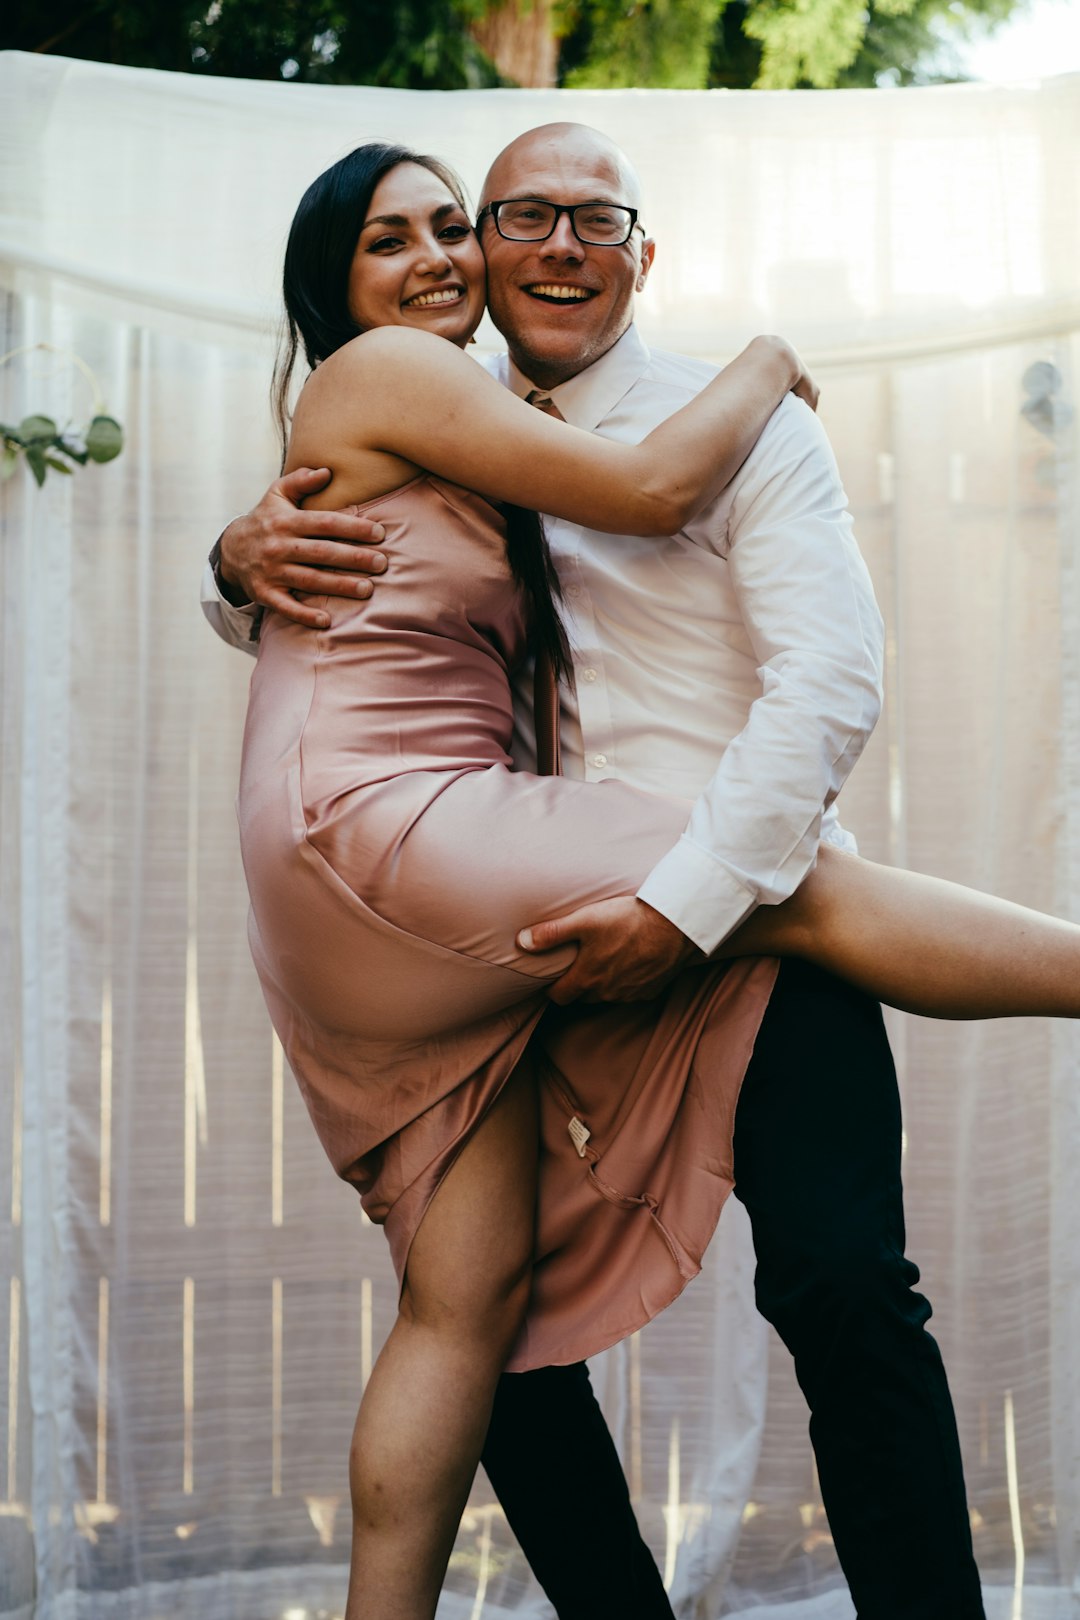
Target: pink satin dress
391,856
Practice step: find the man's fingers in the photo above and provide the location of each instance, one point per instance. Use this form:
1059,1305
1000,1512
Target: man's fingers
320,582
565,990
309,553
300,482
546,936
347,527
289,608
572,929
324,582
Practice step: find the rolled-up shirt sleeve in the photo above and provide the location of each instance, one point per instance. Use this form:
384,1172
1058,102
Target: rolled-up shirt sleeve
809,610
236,625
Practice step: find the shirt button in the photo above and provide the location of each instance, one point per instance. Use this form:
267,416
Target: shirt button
599,760
588,674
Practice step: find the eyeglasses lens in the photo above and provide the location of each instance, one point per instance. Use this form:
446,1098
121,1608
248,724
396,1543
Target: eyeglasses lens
602,223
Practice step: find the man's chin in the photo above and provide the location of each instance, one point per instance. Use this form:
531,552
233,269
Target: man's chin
547,348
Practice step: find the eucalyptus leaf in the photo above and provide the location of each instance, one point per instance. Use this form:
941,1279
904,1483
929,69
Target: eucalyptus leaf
74,445
104,439
61,466
35,460
37,429
8,463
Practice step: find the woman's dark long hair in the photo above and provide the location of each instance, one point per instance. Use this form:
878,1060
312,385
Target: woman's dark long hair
318,259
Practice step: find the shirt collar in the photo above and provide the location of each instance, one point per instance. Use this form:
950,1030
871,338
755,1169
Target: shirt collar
585,400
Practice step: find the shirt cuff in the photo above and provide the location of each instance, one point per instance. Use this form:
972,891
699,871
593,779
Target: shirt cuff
839,837
703,898
243,622
236,625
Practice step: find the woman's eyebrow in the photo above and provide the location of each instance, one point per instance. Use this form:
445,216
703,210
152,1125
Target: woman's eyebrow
400,220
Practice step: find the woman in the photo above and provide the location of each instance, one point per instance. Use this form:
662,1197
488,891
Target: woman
392,856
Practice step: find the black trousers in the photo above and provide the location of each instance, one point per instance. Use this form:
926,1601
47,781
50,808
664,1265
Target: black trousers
817,1161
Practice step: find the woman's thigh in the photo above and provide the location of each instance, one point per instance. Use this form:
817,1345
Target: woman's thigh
497,850
469,1263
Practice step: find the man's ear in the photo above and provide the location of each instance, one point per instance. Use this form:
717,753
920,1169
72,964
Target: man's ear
648,251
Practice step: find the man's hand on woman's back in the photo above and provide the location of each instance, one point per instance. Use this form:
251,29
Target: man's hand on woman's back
278,548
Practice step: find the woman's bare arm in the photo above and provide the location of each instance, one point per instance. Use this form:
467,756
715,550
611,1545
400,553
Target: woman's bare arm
395,399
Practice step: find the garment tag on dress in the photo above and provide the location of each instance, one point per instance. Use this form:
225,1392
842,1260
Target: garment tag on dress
579,1135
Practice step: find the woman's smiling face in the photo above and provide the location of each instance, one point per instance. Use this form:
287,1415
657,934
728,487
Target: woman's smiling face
417,261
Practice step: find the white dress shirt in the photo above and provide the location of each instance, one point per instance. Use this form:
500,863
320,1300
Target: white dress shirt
735,664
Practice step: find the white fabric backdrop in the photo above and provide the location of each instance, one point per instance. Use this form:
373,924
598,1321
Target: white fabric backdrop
189,1302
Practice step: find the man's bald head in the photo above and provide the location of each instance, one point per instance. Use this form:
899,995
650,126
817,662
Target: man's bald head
551,143
559,302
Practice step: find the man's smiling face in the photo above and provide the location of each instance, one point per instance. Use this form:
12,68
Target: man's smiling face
560,304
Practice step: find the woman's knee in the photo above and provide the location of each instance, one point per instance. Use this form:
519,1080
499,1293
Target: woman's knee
482,1306
470,1264
815,909
802,924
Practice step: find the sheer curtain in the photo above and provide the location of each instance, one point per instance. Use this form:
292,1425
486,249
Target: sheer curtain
189,1301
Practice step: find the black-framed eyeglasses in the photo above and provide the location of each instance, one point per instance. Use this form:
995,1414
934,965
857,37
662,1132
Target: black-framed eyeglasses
531,219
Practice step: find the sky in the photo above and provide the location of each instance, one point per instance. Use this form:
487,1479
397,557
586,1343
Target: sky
1041,39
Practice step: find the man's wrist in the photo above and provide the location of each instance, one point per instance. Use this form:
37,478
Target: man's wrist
700,894
232,593
682,948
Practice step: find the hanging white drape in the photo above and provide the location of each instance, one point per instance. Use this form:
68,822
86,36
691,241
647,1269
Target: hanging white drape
189,1301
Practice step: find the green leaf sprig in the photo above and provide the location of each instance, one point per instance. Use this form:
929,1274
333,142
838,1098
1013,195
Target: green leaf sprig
44,445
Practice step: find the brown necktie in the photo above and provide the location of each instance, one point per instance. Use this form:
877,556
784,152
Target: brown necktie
545,403
545,686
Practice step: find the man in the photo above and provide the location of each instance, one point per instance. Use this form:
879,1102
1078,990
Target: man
737,661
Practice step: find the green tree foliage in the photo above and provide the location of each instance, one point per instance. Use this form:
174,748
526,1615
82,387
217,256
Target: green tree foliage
920,45
413,44
804,43
429,44
667,43
129,31
770,44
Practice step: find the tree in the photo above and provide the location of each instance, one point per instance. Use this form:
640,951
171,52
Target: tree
411,44
521,39
770,44
459,44
661,43
920,45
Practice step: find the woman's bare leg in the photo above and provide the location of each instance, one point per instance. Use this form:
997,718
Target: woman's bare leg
920,943
426,1409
